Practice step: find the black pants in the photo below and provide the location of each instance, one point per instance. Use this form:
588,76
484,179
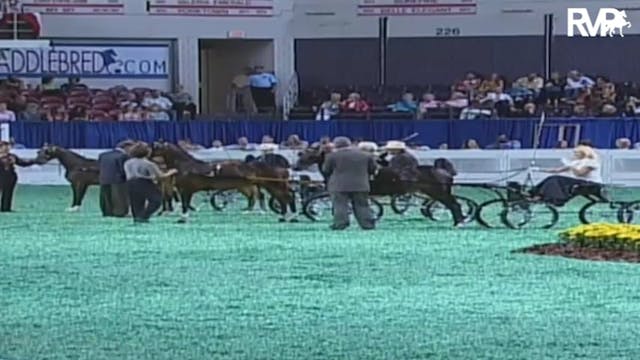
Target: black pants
114,200
145,198
264,99
558,190
8,182
181,107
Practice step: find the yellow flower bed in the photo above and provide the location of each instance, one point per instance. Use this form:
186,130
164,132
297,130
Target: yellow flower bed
604,236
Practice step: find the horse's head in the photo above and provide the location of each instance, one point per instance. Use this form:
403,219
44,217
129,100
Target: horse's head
47,153
307,158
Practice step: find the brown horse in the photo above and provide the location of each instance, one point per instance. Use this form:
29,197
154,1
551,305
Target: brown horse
79,171
432,181
167,187
195,175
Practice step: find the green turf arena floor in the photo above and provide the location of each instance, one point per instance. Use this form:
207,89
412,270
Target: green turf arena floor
231,286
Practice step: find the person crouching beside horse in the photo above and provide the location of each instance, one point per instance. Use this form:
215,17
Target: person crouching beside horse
113,188
144,195
8,176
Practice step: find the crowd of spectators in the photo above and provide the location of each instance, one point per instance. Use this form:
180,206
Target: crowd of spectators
75,101
475,96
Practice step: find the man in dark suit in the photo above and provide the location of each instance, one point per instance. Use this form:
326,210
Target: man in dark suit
349,170
114,200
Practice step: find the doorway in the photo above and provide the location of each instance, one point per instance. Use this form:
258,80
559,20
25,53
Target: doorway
220,61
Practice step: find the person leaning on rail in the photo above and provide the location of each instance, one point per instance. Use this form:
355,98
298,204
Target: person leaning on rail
8,176
141,173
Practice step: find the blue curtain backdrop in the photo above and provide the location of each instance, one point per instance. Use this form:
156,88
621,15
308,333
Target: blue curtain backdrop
602,132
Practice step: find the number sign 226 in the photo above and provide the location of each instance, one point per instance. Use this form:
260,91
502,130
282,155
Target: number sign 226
447,31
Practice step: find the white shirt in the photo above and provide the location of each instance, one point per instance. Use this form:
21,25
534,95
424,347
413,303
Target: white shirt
498,97
583,82
472,113
595,175
164,103
7,116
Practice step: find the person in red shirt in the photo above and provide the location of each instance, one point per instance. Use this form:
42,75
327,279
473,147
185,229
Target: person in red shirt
354,103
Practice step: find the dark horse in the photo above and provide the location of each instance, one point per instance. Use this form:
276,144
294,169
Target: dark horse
435,181
79,171
195,175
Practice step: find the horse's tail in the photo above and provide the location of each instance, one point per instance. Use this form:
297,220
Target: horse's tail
444,164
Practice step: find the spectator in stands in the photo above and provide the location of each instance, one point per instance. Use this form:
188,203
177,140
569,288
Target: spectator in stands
554,89
57,114
632,107
471,144
31,112
294,143
132,113
188,145
533,82
14,83
263,87
502,143
443,146
475,111
154,98
501,101
428,102
18,105
577,84
241,100
129,100
406,105
242,144
156,113
458,101
562,144
330,108
72,83
267,139
79,113
48,86
623,144
182,101
354,103
469,85
6,115
216,145
491,84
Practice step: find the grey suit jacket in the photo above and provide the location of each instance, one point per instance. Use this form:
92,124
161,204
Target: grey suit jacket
349,170
111,165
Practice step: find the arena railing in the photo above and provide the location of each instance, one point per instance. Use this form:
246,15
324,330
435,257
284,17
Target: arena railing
619,167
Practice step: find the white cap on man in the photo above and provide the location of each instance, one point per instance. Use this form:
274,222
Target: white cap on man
395,145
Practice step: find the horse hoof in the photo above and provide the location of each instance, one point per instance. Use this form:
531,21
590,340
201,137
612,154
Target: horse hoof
182,221
294,220
73,209
282,220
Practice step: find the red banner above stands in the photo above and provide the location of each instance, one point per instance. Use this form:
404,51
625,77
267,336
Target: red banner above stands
222,8
416,7
74,7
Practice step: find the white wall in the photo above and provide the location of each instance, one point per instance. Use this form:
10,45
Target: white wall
620,167
489,20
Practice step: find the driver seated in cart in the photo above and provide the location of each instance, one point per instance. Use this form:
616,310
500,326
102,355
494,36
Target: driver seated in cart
580,175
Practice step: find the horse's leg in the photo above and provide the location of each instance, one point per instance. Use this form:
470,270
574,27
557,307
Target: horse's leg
293,207
443,195
82,191
75,203
283,197
249,192
185,198
261,198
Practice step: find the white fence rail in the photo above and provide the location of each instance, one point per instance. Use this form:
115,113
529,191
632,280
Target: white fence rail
620,167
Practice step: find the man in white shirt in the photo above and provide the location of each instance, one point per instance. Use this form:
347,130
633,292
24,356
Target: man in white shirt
6,115
156,99
577,83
